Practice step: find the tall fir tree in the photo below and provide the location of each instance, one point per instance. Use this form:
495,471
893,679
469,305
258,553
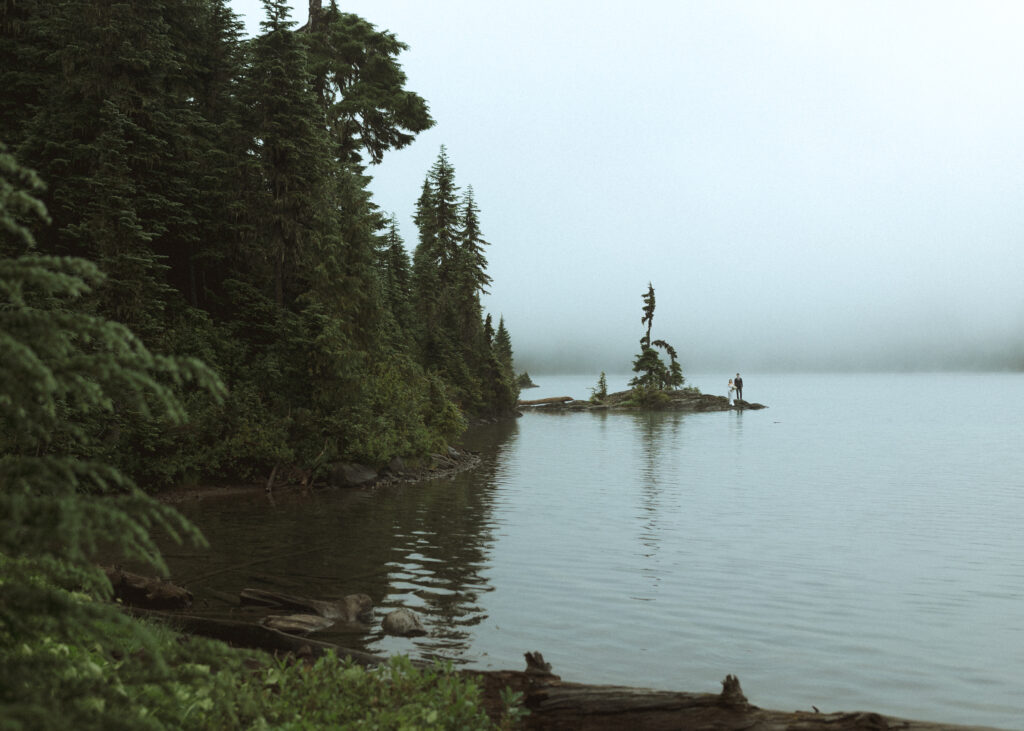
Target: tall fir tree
396,275
449,277
503,349
290,147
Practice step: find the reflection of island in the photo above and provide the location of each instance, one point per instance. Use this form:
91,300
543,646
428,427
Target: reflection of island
655,429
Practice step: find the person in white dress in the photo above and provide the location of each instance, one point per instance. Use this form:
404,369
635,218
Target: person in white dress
732,390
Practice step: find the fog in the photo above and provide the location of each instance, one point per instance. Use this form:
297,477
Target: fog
808,185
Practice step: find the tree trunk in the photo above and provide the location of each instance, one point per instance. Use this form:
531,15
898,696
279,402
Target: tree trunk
315,9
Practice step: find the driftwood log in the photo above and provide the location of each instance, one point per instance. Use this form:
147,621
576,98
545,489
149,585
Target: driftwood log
352,608
256,636
555,704
145,591
543,401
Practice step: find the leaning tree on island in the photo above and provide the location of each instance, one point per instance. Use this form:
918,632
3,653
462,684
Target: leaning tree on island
652,373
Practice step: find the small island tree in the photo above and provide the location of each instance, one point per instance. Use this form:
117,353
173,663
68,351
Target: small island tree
652,373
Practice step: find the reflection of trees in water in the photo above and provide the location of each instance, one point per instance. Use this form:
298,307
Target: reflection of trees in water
422,545
658,434
442,535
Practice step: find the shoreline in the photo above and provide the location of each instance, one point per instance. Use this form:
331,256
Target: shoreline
346,476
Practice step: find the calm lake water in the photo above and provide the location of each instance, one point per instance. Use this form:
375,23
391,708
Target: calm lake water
856,546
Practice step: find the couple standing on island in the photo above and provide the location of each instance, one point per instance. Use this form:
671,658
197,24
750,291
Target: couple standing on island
735,386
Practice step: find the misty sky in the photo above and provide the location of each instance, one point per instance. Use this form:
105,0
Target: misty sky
807,184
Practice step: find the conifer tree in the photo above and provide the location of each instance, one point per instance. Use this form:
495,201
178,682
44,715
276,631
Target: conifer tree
288,136
652,371
471,249
27,63
216,149
110,136
396,276
449,277
503,349
61,369
361,86
435,263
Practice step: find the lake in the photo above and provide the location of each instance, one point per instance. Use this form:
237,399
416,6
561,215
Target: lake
855,546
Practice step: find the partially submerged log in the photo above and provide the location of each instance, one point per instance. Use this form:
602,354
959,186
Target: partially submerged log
544,401
147,592
353,608
256,636
297,624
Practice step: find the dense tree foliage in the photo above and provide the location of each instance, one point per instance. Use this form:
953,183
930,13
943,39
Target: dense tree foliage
63,373
449,273
207,196
220,185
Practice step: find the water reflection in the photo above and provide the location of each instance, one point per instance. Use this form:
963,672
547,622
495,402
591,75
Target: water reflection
425,546
659,434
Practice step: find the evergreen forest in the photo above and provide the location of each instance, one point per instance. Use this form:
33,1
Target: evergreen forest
220,186
196,287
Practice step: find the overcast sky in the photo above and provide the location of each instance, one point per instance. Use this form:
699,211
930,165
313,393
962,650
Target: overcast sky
807,184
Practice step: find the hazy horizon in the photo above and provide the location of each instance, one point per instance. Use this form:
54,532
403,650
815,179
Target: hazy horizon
809,185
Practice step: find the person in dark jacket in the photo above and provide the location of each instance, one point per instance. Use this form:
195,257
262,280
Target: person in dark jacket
737,383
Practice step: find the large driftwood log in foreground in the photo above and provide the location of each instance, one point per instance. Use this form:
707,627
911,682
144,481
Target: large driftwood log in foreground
542,401
554,704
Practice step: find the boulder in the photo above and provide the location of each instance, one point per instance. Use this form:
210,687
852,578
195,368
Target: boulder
403,623
357,608
397,466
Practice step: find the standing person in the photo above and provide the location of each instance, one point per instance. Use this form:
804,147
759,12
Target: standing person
732,390
738,383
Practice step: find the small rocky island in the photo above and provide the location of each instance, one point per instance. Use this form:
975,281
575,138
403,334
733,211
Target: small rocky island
657,386
684,399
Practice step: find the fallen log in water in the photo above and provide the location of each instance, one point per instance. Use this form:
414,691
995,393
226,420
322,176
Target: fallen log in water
543,401
352,608
146,591
256,636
